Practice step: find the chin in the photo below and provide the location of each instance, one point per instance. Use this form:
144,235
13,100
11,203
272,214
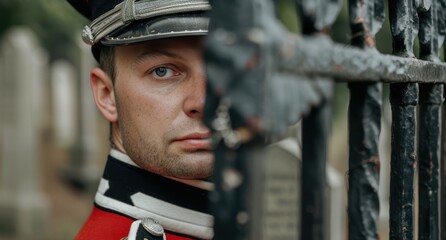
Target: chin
202,171
196,175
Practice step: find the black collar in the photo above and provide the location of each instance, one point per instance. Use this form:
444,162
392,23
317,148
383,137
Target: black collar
126,180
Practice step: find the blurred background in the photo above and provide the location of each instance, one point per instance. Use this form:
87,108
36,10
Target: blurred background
53,142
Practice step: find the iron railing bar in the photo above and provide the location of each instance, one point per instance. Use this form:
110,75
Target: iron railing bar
431,37
315,129
238,197
431,98
443,172
403,99
315,18
318,55
364,121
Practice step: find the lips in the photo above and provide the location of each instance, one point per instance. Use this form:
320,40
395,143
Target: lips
195,141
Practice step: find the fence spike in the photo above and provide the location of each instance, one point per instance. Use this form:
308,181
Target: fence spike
318,15
404,26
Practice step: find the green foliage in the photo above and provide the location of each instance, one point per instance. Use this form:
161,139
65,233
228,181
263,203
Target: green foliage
55,22
287,14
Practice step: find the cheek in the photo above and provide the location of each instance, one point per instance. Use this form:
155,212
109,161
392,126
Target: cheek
153,112
146,110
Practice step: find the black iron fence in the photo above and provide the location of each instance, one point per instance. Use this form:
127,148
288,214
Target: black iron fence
263,78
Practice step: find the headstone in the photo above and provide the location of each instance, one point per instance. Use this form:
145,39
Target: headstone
335,205
282,191
89,113
84,171
22,203
384,181
64,103
282,200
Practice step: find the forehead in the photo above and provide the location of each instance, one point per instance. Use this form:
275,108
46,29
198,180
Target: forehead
177,46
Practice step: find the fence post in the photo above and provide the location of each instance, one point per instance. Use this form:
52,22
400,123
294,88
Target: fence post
443,171
431,36
403,98
314,153
364,117
235,54
22,203
315,18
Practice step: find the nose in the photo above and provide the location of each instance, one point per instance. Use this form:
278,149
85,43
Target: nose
194,102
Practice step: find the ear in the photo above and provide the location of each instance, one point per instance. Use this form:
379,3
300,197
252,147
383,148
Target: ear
103,94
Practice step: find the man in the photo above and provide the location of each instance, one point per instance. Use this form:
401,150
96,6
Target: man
150,86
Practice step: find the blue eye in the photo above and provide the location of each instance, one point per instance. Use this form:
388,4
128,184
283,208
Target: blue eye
161,71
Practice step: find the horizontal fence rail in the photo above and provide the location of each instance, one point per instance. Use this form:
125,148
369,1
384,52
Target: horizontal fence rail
318,55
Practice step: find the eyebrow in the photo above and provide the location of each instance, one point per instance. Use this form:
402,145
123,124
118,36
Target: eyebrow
151,53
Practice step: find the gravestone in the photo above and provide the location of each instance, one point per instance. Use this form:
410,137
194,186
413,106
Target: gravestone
282,192
84,170
64,103
384,179
22,203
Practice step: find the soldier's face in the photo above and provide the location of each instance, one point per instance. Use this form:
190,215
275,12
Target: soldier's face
160,92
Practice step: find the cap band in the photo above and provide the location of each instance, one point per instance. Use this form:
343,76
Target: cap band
130,10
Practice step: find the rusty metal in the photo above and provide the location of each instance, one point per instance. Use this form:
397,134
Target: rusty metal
315,129
404,26
442,25
269,78
366,18
403,99
443,173
431,98
442,20
315,17
233,198
320,56
239,55
242,55
318,16
431,36
432,29
364,164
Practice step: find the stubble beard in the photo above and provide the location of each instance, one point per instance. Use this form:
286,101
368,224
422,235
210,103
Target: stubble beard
155,157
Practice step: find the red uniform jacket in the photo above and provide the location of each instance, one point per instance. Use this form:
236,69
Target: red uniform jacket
127,193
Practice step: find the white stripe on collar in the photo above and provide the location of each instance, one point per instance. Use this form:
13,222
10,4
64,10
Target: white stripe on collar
122,157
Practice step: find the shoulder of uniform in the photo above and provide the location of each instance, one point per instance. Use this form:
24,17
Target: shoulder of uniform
146,229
